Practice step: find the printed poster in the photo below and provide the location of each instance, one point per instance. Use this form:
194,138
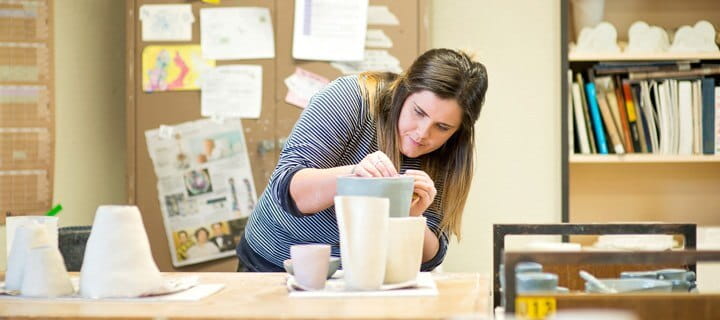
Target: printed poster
205,187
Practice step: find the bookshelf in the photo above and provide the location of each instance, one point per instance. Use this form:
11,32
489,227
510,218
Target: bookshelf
642,158
636,186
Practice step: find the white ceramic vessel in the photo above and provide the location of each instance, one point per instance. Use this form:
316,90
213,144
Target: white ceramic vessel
363,227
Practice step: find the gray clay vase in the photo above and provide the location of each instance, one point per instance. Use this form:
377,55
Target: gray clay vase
398,190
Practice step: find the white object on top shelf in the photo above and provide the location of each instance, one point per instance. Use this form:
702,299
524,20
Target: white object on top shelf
698,38
650,242
643,38
600,39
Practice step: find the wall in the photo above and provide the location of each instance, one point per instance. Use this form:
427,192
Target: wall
518,155
517,176
90,109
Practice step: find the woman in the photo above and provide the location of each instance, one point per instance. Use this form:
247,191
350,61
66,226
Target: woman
419,123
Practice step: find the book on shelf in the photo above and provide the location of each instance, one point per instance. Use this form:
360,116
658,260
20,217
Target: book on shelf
708,100
632,117
669,116
697,116
624,120
644,122
583,139
586,113
704,71
596,118
717,120
609,122
623,67
685,118
648,109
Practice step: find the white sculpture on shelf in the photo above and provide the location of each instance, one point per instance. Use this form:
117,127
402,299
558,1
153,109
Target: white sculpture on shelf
643,38
118,261
698,38
600,39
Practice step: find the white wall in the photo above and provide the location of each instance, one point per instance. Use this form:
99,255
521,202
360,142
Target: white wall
518,165
517,176
89,109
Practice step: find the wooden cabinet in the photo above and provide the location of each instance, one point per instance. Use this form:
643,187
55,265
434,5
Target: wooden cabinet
638,187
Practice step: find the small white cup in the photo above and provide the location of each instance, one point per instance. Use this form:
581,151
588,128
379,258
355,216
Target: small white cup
310,264
12,223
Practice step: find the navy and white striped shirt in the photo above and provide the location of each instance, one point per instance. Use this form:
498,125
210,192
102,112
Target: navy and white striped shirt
336,129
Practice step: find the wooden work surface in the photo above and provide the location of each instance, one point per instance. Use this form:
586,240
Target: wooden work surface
264,296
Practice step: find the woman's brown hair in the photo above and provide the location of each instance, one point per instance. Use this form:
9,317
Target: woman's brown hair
449,74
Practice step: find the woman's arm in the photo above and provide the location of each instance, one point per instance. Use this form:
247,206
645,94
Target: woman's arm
431,245
313,189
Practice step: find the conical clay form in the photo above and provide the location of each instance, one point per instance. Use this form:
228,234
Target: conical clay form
118,261
18,256
45,274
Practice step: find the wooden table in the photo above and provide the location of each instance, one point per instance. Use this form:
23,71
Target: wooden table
264,296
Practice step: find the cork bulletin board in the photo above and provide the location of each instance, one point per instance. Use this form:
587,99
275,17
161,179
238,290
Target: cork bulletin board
264,136
27,127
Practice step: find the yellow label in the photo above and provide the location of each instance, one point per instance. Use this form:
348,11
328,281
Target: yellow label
535,307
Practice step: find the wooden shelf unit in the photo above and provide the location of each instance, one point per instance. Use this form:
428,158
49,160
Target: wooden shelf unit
638,187
641,158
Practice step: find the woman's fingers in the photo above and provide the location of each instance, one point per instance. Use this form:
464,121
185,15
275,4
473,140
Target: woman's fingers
385,164
376,164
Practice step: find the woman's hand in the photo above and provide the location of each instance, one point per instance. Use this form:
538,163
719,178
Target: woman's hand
376,164
423,192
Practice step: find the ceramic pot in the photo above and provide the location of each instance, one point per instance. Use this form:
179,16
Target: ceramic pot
397,189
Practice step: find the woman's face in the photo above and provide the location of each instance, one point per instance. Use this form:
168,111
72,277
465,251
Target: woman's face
426,122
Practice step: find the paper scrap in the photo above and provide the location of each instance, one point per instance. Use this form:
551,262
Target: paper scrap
330,30
302,85
382,16
236,33
166,22
233,91
375,60
377,38
168,68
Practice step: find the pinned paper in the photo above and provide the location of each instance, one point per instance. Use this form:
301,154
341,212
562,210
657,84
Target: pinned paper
377,38
166,132
166,22
330,30
381,16
167,68
375,60
205,187
236,33
233,91
302,85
